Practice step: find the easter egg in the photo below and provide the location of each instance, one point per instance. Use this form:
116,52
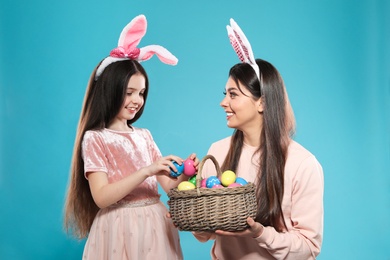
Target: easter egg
211,181
217,186
234,185
179,169
241,181
185,185
228,177
203,183
193,180
189,168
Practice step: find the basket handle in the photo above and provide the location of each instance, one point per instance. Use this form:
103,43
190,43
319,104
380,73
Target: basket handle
202,162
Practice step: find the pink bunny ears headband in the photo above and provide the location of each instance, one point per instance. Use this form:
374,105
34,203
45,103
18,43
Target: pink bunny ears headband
242,46
127,47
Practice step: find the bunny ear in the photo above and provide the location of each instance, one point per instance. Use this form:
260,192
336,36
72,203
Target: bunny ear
243,41
236,46
127,48
242,46
132,34
163,54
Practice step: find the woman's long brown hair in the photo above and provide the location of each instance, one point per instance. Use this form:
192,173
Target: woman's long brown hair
278,127
102,102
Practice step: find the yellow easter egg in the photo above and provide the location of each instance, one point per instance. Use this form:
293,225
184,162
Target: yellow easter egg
228,177
186,185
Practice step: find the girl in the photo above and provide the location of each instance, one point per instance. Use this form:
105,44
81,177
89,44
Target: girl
113,193
288,178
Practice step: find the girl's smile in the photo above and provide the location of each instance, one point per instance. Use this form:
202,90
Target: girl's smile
134,100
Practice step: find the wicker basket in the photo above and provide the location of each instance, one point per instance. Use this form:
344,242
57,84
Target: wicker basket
204,209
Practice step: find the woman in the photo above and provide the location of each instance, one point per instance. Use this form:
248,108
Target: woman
288,178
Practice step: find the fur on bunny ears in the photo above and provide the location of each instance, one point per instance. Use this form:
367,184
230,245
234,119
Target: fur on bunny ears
242,46
127,47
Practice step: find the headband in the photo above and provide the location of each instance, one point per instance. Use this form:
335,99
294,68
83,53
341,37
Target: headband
242,46
127,47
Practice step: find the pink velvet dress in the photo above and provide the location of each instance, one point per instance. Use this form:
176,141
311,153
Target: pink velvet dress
136,227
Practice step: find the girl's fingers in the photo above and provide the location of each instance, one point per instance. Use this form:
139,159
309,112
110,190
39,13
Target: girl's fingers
193,156
175,158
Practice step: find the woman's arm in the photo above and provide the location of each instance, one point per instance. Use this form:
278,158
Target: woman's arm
303,240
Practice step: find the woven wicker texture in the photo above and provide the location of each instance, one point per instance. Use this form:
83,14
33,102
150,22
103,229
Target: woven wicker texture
204,209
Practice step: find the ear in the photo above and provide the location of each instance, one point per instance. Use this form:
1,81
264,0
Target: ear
236,33
133,32
260,105
238,48
163,54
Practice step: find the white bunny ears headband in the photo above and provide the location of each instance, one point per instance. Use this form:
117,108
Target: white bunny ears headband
127,47
242,46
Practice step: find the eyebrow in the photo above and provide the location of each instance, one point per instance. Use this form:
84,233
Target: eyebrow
130,88
232,88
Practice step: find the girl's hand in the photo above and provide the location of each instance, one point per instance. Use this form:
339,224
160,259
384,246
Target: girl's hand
195,159
255,230
163,165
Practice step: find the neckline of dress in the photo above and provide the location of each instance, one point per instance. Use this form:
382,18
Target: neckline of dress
121,132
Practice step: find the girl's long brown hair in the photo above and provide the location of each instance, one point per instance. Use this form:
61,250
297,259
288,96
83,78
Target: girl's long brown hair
278,127
102,102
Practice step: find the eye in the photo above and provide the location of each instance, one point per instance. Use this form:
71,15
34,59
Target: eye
129,93
232,94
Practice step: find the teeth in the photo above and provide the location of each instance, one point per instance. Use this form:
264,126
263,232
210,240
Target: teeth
229,114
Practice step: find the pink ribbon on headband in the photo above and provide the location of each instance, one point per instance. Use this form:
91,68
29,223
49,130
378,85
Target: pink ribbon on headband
242,46
127,48
120,52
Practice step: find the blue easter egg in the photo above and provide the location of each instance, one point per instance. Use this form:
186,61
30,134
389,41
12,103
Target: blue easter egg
180,169
241,181
211,181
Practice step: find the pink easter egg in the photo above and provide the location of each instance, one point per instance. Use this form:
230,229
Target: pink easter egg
217,186
234,185
203,183
189,168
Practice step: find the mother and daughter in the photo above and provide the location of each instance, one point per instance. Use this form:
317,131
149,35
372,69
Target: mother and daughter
113,199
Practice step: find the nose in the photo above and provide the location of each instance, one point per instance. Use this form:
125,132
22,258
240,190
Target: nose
136,99
224,103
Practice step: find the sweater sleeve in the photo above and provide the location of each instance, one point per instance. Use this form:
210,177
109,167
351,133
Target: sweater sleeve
305,224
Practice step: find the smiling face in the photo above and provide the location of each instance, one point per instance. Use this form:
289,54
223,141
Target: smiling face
134,99
242,111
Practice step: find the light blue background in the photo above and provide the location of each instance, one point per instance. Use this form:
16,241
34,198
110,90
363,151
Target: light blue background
333,56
